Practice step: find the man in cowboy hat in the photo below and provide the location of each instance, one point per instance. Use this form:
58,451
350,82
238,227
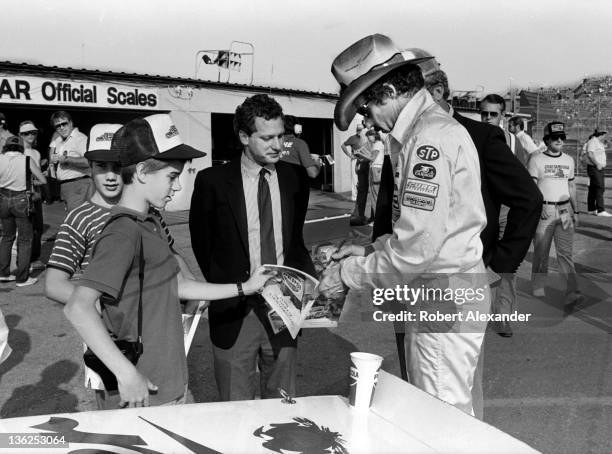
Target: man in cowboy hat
438,214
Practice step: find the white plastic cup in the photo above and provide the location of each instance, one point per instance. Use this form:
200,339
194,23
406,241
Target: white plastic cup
363,378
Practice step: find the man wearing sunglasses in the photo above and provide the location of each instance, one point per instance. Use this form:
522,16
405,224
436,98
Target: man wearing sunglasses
554,173
67,155
438,212
492,109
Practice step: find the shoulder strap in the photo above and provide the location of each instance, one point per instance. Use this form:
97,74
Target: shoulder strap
28,175
141,267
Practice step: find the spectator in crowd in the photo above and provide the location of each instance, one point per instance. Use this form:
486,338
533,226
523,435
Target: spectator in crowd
68,157
359,148
492,110
28,133
356,140
152,157
80,229
378,156
15,211
553,172
4,132
296,151
596,165
516,126
243,214
438,212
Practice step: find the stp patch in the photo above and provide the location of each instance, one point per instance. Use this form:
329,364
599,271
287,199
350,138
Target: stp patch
427,153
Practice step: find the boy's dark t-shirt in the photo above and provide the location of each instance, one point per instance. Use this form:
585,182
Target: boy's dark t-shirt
163,361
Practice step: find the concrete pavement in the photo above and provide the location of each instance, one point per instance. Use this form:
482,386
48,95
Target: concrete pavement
549,385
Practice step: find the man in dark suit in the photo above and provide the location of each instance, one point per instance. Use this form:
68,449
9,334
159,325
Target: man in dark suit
248,212
504,180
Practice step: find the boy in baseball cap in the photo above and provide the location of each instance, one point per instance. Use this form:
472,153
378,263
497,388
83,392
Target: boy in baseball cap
152,156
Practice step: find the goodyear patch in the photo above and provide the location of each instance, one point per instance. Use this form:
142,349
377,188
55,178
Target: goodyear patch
418,201
424,171
427,153
421,187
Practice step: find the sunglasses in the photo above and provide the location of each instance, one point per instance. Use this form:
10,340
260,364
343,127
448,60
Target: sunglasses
61,125
487,114
28,133
364,110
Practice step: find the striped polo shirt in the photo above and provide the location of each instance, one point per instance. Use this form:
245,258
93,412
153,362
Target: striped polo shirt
78,234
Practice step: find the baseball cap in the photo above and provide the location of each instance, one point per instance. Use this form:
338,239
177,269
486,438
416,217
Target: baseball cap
154,136
100,138
554,130
361,65
27,126
12,144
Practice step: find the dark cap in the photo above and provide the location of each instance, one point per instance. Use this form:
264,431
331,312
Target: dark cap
554,130
154,136
12,144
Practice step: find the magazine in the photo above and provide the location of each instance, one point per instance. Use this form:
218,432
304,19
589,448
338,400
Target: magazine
295,302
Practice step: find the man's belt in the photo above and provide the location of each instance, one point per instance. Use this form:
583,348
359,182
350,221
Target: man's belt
556,203
74,179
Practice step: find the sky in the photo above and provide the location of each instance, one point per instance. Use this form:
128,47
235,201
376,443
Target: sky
484,45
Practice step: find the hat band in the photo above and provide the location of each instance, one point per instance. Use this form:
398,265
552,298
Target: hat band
347,80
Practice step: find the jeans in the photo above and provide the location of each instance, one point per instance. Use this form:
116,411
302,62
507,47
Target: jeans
14,217
549,229
595,196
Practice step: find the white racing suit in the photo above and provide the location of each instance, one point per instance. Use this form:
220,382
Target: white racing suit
438,214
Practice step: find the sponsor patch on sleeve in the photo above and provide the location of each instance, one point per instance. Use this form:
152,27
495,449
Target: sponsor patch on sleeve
419,202
421,187
427,153
424,171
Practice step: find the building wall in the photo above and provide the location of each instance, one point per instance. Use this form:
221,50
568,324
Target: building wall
190,107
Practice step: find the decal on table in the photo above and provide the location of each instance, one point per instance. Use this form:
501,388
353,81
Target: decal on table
302,436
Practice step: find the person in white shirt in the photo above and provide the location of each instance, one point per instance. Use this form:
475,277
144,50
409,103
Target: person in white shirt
596,165
553,172
15,212
28,132
68,157
516,127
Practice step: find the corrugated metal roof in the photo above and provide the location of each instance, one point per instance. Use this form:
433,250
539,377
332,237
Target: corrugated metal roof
102,75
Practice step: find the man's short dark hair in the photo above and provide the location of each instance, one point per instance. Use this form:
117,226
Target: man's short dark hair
494,99
261,106
517,121
438,77
407,79
59,115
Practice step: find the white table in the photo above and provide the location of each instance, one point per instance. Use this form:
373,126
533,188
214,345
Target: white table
403,419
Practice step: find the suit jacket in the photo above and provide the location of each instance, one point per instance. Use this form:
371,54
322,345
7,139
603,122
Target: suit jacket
219,236
504,181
